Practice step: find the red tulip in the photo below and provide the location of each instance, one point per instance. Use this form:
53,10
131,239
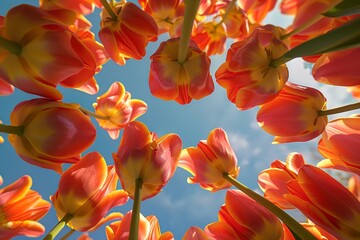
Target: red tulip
339,144
326,202
149,229
293,115
66,132
210,160
87,191
273,180
117,109
20,209
142,155
128,35
258,9
249,220
329,68
36,64
170,80
247,75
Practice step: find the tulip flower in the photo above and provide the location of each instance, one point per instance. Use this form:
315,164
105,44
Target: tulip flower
293,116
142,155
329,68
355,91
117,109
257,10
339,144
87,191
236,22
210,37
20,210
247,74
248,220
125,31
65,132
195,233
5,88
326,202
79,6
354,185
164,13
36,64
171,80
273,180
149,229
210,160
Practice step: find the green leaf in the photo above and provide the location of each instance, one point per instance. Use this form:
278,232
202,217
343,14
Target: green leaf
344,37
344,8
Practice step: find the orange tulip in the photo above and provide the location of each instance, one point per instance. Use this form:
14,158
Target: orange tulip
36,64
128,35
117,109
79,6
170,80
5,88
20,209
164,12
149,229
329,68
65,132
326,202
237,23
87,191
249,220
355,91
339,144
142,155
258,9
247,75
210,160
293,115
354,185
273,180
195,233
210,37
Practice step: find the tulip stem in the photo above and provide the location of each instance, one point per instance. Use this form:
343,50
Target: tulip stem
135,215
17,130
109,10
230,6
58,227
191,8
339,109
92,114
66,236
12,47
291,223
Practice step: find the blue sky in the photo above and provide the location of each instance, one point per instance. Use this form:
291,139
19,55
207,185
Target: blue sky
180,205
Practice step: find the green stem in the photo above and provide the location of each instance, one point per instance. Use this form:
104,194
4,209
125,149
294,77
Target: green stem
283,216
191,8
90,113
340,38
135,216
227,11
58,227
109,10
341,109
12,47
66,236
18,130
